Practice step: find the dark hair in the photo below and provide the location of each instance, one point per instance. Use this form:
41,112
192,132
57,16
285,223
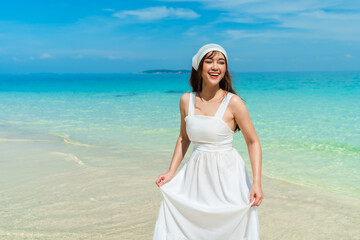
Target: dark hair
225,83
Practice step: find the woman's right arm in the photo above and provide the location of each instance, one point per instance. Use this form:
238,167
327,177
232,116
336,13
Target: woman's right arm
181,146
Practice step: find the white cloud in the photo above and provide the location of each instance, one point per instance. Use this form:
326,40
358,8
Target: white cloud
333,19
15,59
224,4
323,24
239,34
113,57
46,55
31,58
109,10
261,6
286,7
237,20
79,56
155,13
348,56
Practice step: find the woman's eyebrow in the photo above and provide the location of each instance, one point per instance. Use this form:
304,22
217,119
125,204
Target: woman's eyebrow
213,58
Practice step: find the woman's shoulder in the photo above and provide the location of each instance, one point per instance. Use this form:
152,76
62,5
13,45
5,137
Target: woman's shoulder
185,96
236,103
234,97
184,99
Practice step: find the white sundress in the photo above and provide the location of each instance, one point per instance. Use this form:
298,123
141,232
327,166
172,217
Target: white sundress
208,199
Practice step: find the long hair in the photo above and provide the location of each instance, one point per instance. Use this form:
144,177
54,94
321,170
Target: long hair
225,83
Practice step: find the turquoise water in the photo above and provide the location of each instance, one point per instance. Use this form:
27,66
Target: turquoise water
308,123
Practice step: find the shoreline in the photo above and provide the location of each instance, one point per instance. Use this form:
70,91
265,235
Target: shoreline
313,188
291,211
123,203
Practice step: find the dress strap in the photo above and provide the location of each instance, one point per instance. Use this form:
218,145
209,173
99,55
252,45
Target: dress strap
220,112
191,103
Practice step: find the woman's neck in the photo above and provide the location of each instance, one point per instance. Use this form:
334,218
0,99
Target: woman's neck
209,93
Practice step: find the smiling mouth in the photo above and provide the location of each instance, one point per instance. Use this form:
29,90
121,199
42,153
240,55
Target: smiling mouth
214,75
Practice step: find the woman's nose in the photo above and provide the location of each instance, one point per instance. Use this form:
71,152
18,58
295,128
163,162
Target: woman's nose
214,66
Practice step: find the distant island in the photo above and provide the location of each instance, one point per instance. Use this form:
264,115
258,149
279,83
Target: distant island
165,71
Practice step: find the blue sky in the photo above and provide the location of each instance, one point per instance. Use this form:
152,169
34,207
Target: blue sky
123,36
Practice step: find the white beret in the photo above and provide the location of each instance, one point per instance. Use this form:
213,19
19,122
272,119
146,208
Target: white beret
203,51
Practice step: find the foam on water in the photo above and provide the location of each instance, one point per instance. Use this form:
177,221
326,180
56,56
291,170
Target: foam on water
22,140
69,157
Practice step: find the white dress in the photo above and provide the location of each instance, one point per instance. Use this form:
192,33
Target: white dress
208,199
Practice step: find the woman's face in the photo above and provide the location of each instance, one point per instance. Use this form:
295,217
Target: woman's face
214,68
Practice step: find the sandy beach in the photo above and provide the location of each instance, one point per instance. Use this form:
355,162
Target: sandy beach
84,202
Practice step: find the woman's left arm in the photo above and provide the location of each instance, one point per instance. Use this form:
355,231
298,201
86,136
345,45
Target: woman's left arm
242,118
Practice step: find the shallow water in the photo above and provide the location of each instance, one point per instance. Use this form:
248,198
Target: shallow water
308,123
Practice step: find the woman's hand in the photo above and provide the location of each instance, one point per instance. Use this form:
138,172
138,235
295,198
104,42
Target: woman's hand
256,192
164,178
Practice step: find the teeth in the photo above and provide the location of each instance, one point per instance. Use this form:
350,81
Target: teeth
214,74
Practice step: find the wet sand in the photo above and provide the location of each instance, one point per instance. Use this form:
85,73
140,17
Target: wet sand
52,196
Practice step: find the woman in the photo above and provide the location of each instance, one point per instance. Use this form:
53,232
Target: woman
211,197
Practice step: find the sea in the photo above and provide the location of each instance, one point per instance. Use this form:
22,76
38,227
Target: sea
308,124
